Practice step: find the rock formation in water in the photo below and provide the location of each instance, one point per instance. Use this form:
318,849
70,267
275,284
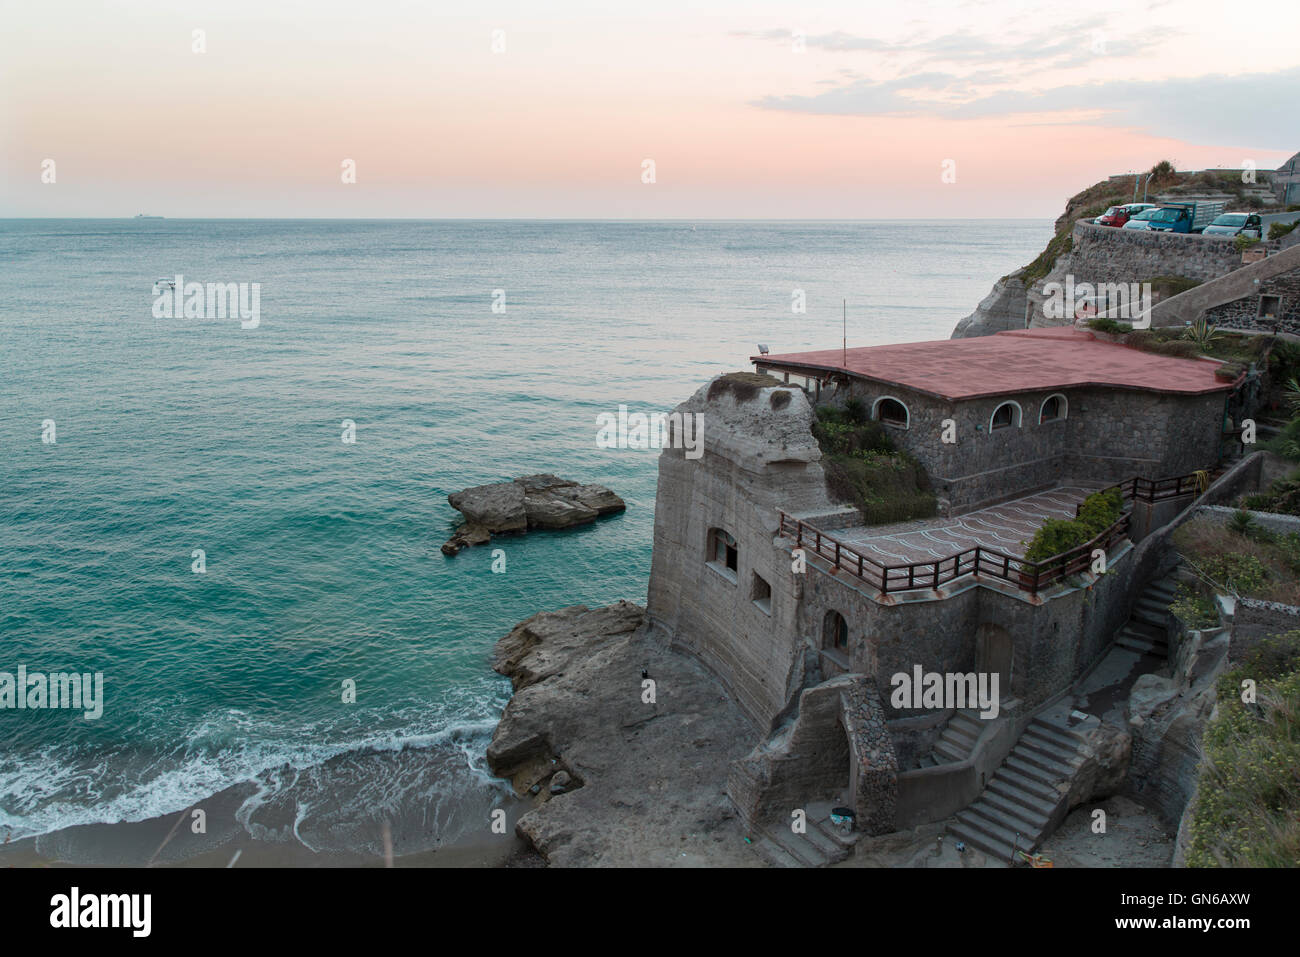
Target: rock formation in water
532,501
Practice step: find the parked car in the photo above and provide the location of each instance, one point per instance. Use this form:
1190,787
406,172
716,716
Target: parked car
1119,215
1180,217
1141,219
1236,224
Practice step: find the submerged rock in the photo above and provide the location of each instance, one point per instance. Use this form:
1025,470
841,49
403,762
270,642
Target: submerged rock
531,501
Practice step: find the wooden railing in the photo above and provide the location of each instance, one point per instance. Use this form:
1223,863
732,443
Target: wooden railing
984,561
980,560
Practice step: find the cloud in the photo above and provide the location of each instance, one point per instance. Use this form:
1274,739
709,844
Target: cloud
1257,108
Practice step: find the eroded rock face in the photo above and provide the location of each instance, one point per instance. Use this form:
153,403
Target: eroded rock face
617,780
531,501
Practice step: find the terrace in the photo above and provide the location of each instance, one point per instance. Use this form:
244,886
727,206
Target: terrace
989,543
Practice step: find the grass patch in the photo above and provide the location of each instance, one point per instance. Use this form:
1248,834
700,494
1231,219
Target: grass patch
743,385
1242,559
1247,810
864,469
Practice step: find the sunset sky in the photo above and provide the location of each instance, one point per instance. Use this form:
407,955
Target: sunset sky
1031,102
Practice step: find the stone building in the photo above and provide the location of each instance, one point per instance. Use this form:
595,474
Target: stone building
807,646
1028,408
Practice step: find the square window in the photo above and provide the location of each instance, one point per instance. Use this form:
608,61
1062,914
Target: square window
1269,307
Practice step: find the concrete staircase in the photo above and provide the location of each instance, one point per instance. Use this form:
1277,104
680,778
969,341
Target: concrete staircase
823,843
1146,631
957,740
1023,801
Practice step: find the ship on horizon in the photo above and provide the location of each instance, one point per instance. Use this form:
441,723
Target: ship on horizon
144,216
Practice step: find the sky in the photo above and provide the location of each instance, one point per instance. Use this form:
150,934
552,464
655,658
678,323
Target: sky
850,109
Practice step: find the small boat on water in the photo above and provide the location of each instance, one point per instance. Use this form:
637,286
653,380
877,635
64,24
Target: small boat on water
161,284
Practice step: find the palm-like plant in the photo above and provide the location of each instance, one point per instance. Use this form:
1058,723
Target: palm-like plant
1202,333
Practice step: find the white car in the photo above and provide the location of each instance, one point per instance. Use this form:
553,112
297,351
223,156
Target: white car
1236,224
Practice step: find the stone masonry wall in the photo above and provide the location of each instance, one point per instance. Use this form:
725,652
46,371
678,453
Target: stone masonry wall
1244,313
1104,254
1126,433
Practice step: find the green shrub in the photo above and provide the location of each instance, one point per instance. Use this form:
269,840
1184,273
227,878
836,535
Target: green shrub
1278,230
1229,371
856,411
1244,242
1239,573
1110,325
1193,609
1099,511
1247,807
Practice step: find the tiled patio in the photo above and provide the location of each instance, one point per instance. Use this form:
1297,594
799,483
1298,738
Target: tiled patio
1007,528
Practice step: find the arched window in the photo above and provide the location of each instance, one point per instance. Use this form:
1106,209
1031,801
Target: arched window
1053,409
891,412
835,632
723,554
1005,416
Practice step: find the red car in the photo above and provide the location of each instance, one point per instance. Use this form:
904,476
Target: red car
1119,215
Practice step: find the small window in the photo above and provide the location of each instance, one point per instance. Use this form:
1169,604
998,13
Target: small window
1269,307
1005,416
835,632
1053,409
891,412
722,552
762,594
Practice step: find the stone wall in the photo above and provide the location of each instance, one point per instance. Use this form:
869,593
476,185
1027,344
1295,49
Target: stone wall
1125,433
1104,254
1243,313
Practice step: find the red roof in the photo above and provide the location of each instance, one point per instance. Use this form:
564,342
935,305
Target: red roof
1022,360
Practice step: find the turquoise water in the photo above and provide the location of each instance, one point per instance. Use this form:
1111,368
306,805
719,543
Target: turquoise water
323,559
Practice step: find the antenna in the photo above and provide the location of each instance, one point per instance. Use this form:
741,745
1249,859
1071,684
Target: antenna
844,343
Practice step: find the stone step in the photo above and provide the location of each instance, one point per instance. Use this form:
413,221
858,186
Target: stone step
1058,769
959,737
1025,819
968,723
772,852
1015,779
1140,645
827,846
1152,604
1151,618
1043,776
926,761
1031,740
1055,733
1160,592
1154,632
943,751
1032,803
978,818
845,839
995,849
794,845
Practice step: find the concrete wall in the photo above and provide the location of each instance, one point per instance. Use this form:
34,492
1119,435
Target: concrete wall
758,458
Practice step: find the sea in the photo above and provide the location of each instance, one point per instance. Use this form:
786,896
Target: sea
181,511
